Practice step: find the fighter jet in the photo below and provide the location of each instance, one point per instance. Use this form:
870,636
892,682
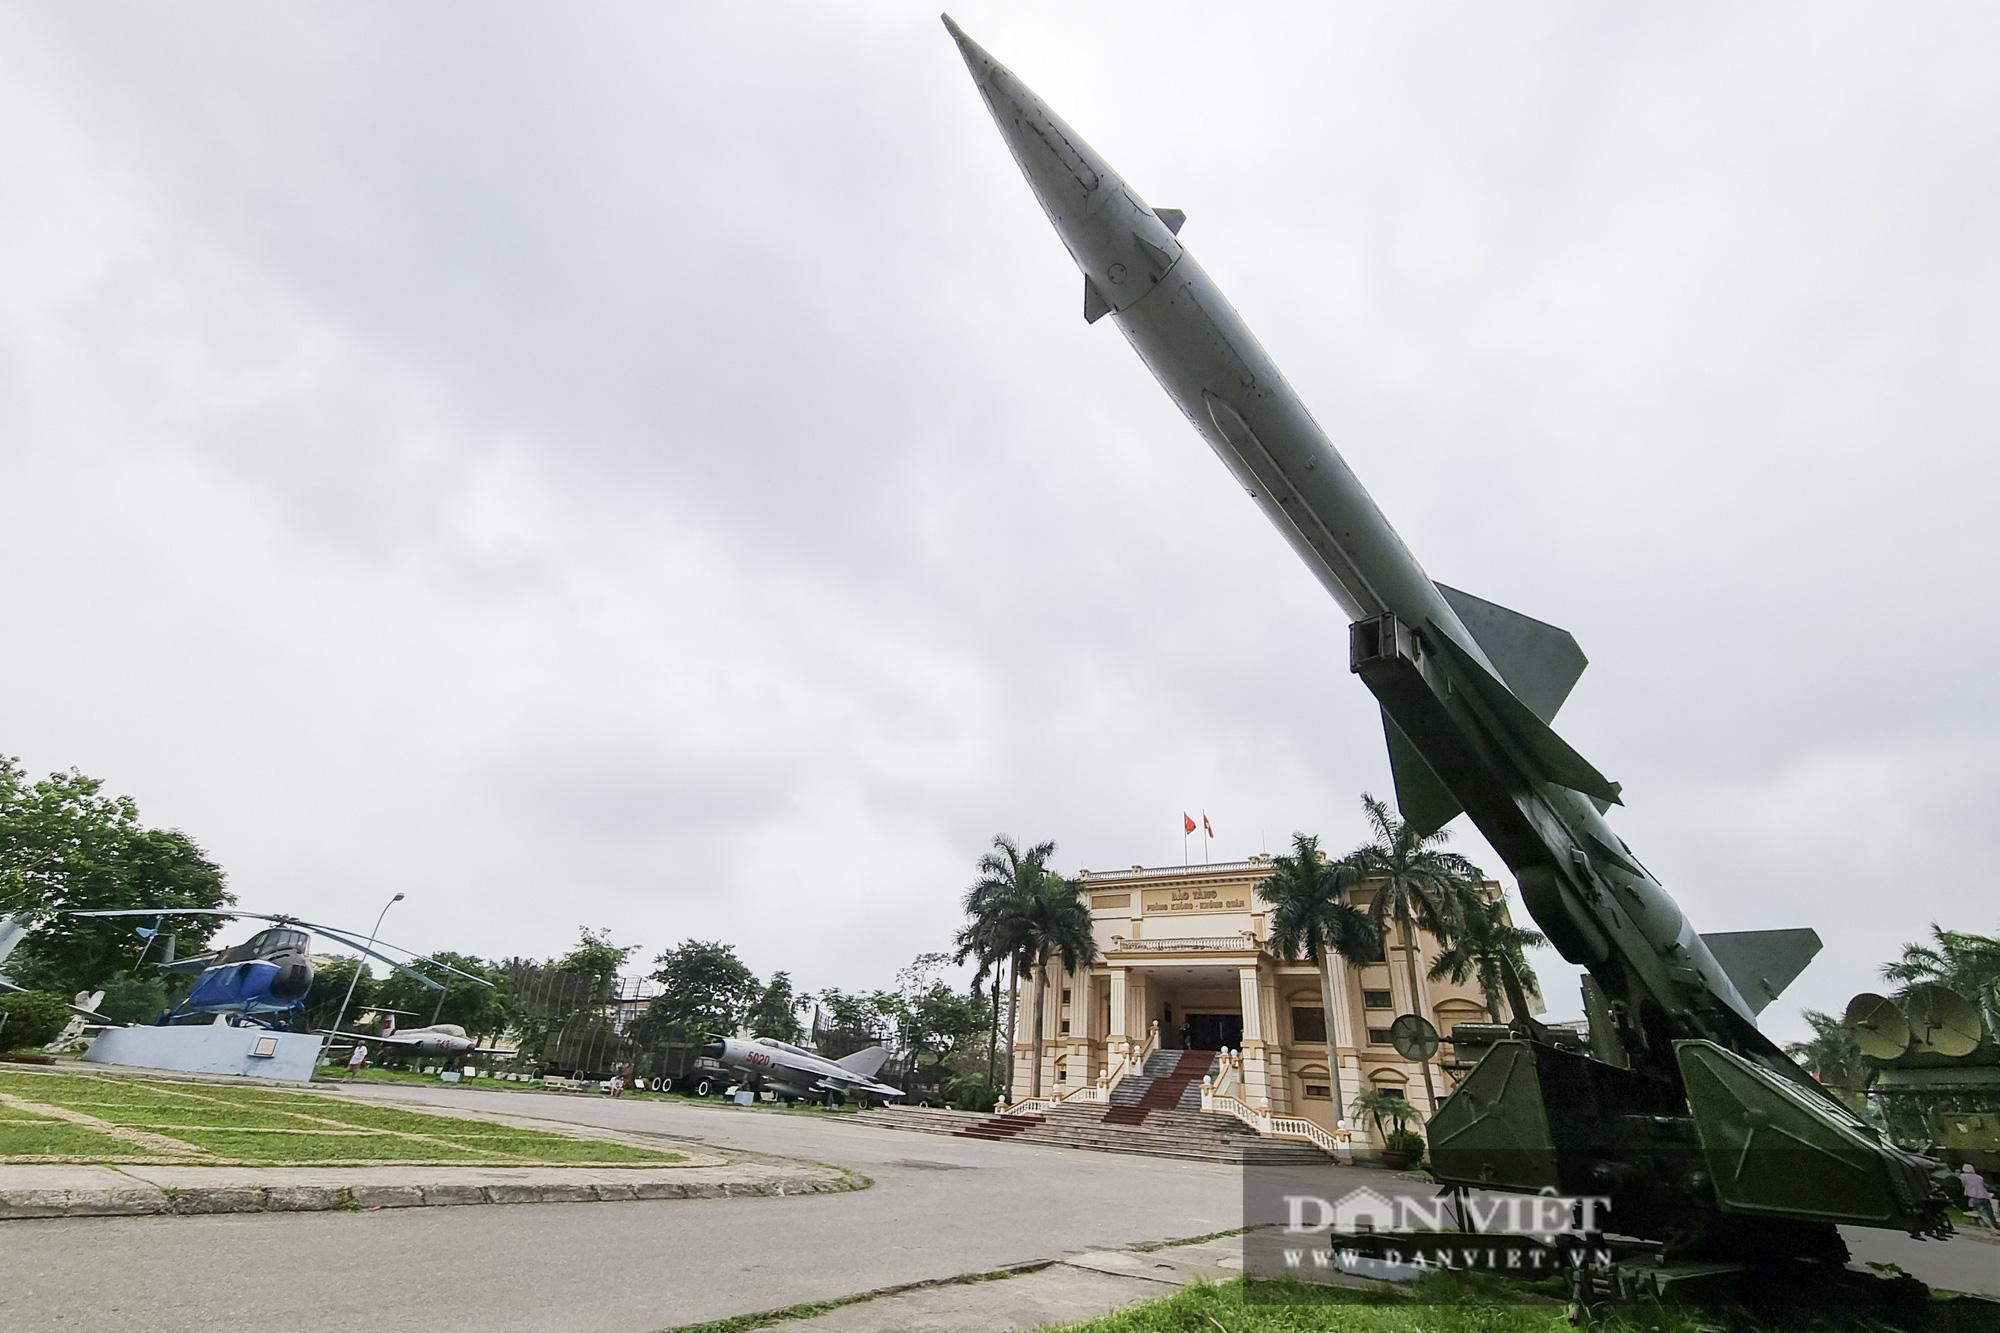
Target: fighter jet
799,1074
439,1040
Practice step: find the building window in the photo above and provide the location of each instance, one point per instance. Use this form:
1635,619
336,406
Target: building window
1379,1036
1389,1090
1062,1072
1364,954
1308,1025
1319,1091
1065,999
1378,999
1065,1027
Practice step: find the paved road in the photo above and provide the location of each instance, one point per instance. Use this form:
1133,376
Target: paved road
940,1207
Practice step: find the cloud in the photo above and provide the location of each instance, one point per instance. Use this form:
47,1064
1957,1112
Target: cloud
645,467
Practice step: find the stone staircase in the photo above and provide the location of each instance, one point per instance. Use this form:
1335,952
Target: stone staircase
1163,1132
1170,1080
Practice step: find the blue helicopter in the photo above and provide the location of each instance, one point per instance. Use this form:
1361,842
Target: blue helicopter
263,981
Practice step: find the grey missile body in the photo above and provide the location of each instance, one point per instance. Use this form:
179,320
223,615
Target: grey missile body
1467,688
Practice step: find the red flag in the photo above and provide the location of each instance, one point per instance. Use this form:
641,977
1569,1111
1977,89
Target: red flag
1187,824
1207,827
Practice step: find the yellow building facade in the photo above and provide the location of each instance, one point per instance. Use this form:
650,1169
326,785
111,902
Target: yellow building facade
1187,950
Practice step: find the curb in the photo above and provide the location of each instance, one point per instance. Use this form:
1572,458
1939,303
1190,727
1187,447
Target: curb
148,1200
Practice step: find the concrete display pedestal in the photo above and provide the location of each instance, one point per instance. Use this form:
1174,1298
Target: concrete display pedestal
209,1048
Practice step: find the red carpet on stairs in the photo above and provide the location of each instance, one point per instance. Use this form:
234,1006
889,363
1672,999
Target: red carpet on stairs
1165,1093
1000,1127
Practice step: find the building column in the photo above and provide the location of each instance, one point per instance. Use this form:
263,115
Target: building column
1120,1028
1256,1083
1271,1019
1343,1045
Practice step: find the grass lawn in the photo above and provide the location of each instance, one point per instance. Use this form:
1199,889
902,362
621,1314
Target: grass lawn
132,1119
1444,1304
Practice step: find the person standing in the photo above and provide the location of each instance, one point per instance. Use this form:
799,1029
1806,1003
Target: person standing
1978,1198
355,1059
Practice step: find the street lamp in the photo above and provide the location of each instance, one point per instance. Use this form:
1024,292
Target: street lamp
363,962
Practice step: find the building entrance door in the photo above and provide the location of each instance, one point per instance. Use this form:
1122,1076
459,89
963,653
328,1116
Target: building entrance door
1212,1032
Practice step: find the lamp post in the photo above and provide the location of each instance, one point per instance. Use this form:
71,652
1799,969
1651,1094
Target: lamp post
362,962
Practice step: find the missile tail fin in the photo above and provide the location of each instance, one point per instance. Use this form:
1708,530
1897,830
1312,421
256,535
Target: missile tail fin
1550,754
1761,963
1425,803
1095,307
1539,662
1173,217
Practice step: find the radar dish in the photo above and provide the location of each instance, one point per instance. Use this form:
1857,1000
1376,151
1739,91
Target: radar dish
1943,1021
1879,1027
1413,1037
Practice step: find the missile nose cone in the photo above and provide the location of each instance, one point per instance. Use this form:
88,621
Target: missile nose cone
1122,246
977,60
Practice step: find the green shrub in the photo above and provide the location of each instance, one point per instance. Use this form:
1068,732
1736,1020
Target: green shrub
1404,1141
34,1019
970,1092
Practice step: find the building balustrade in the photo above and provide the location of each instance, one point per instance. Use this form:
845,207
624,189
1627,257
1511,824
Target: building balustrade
1242,942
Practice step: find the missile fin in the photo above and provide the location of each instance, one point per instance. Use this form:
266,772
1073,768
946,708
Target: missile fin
1161,260
1539,662
1427,805
1173,217
1095,307
1761,963
1550,753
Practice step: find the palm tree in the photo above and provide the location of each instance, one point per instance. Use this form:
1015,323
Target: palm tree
1051,922
1486,945
993,933
1420,888
1311,919
1961,961
1375,1103
1831,1056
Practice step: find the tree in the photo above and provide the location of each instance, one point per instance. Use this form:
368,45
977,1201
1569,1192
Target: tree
849,1022
329,987
1485,945
31,1018
480,1010
1051,923
1419,888
1382,1103
776,1012
934,1020
1312,919
704,988
1831,1056
993,934
1958,960
65,846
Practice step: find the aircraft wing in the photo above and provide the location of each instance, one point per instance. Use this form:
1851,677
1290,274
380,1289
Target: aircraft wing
372,1038
868,1085
9,988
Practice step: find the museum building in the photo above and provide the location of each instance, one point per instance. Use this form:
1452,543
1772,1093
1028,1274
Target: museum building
1188,949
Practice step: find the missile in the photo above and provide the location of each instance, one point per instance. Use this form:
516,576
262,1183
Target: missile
1468,690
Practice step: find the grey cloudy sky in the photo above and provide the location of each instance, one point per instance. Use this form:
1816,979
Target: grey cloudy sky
643,466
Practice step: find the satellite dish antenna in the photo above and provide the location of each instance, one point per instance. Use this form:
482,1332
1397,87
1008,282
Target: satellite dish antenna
1943,1021
1879,1027
1413,1037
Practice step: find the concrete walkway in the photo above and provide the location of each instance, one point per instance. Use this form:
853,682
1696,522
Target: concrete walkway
128,1191
1080,1286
